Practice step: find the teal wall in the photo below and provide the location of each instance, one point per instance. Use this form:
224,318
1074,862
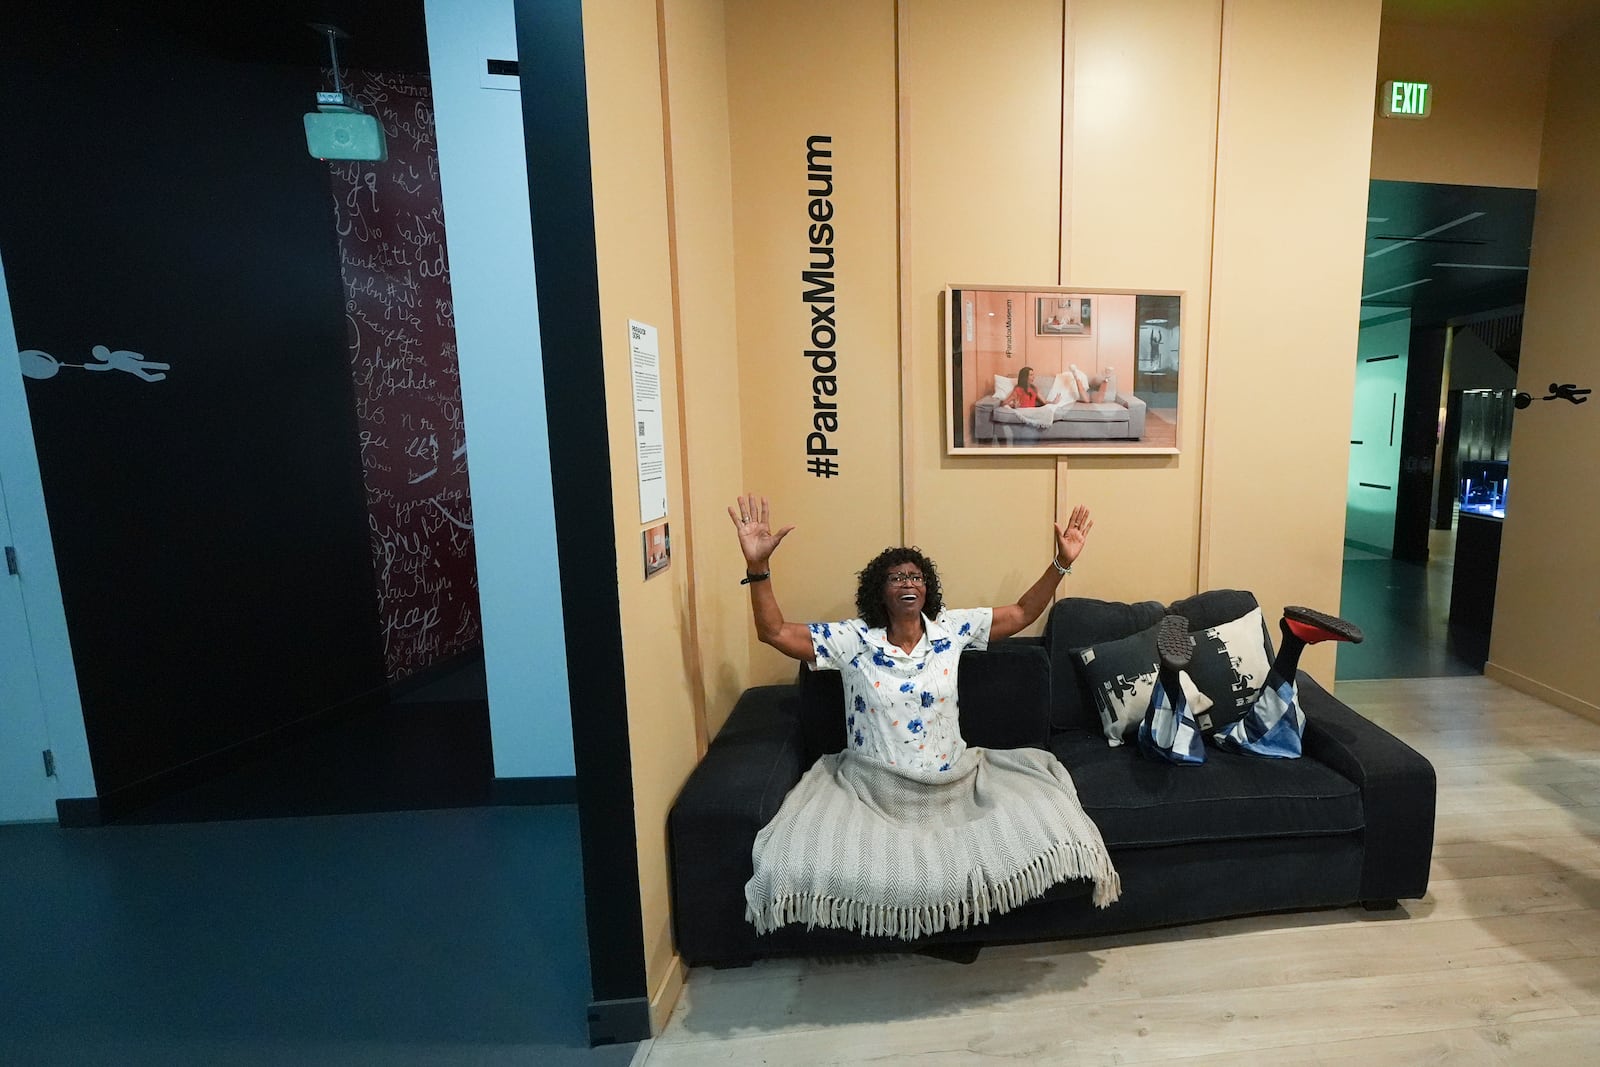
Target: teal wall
1380,403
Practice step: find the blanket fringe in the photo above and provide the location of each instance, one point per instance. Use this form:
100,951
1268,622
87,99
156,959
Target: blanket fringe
1067,861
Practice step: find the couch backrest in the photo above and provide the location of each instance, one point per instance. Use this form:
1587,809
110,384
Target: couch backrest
1004,694
1077,622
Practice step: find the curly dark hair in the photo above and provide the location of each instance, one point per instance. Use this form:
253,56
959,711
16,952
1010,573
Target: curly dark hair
871,580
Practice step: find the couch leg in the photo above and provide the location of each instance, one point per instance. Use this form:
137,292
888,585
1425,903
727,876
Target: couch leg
1380,905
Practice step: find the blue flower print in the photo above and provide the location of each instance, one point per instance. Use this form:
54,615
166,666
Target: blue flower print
882,660
966,628
921,665
855,661
915,726
946,767
927,700
859,740
941,644
825,631
861,705
850,723
822,652
906,687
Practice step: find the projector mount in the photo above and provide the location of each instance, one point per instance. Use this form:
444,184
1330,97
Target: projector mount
338,100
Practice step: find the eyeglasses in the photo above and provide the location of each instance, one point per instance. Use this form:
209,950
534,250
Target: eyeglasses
905,578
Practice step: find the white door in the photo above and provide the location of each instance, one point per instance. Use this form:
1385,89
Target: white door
26,792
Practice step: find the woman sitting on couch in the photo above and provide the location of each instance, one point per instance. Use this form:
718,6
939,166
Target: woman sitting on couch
985,830
1024,395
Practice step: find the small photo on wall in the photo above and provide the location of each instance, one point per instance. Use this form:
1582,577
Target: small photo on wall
657,550
1058,315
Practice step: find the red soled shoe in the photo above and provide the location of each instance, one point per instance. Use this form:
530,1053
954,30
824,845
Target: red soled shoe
1173,644
1314,626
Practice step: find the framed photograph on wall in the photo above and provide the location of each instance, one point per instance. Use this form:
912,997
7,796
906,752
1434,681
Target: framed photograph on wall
1055,316
1068,371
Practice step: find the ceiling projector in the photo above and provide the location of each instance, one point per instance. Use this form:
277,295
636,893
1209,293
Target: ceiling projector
338,129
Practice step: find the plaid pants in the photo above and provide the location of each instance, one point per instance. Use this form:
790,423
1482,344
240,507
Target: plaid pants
1271,727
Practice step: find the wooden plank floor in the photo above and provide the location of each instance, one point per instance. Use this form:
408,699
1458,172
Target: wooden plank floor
1499,963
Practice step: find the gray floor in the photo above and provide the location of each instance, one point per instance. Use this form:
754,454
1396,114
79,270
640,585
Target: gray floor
423,937
1403,609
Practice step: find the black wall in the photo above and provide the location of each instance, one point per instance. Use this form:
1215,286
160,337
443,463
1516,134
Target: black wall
210,529
1419,436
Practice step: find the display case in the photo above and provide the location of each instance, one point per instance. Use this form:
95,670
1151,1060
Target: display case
1482,488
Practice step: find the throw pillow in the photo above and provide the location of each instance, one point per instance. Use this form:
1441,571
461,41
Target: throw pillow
1003,386
1230,665
1121,674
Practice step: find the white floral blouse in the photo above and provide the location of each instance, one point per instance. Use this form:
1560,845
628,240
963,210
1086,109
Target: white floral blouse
900,707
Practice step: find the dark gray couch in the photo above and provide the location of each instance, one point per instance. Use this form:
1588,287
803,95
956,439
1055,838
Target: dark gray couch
1351,822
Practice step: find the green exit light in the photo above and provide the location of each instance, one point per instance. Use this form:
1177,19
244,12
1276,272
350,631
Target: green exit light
1406,100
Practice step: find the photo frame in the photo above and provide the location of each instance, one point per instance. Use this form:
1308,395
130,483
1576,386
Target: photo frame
1060,316
1062,370
657,546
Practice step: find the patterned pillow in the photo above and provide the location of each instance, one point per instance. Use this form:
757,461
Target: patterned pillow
1121,674
1230,665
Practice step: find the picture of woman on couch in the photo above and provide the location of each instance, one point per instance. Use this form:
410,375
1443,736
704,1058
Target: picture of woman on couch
986,829
1024,395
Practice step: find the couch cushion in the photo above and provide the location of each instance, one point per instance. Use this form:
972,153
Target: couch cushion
1004,694
1138,802
1077,622
1093,411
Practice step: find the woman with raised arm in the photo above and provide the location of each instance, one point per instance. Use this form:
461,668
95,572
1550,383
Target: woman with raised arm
984,830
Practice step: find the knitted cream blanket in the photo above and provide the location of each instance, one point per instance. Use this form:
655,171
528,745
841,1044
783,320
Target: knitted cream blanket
886,851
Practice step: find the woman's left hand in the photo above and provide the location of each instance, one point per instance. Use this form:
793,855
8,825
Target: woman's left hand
1070,538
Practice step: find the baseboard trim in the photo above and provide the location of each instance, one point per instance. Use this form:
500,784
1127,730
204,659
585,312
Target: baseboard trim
519,792
667,994
1550,695
619,1022
77,813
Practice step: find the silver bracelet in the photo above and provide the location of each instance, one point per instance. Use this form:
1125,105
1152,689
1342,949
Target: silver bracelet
1055,561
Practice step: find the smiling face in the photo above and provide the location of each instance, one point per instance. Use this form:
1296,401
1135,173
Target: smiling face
904,591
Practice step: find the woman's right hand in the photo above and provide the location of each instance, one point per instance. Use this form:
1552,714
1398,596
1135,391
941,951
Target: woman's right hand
756,539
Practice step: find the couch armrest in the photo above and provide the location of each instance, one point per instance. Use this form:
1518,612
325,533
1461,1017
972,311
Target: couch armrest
1398,792
983,418
1135,408
735,791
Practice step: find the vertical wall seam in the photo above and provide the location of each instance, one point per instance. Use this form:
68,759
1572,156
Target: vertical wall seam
697,687
1064,219
1202,571
902,136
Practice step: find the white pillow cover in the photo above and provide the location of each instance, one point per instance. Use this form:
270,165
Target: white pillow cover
1003,386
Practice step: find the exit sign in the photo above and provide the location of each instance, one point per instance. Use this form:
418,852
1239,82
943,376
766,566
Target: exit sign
1406,100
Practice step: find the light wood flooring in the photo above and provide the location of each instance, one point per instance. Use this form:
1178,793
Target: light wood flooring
1499,963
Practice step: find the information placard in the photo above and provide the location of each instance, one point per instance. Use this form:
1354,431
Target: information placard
649,438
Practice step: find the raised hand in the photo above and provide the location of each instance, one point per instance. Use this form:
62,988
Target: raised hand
1070,538
756,539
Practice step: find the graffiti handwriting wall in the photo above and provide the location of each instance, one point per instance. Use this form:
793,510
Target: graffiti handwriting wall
407,385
